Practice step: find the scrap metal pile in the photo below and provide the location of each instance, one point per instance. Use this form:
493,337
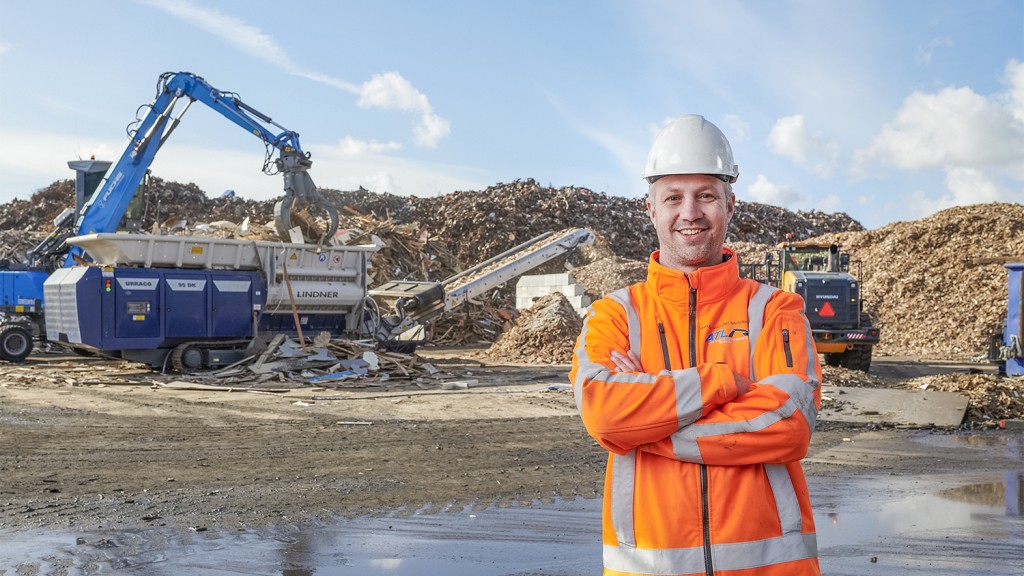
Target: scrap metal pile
917,277
936,286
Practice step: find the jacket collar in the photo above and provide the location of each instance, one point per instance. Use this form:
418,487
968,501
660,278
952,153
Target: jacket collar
712,282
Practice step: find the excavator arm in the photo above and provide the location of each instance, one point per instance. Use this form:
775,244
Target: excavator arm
107,205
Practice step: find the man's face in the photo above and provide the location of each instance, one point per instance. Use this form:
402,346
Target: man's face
691,213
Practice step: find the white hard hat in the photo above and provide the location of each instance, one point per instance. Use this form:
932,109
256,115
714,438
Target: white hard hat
691,145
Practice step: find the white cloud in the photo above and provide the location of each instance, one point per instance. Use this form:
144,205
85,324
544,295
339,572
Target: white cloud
976,140
245,37
431,129
1013,77
790,137
925,53
831,203
391,91
964,186
737,129
766,192
4,47
388,90
349,146
956,127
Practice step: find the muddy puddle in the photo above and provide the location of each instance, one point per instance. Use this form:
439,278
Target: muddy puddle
554,539
949,524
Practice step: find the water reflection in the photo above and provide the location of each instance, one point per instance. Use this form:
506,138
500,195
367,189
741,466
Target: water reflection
967,506
1008,494
563,538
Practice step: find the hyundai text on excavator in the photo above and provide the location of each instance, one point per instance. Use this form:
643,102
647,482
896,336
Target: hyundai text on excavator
820,273
188,302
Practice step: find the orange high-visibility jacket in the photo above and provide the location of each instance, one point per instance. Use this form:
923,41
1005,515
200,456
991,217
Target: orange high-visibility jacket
703,478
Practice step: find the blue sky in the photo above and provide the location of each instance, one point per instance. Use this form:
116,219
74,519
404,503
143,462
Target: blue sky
886,110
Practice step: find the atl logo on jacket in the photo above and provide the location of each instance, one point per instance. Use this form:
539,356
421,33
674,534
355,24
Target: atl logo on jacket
724,336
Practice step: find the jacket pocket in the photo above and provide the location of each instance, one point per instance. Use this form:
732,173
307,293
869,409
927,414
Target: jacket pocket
786,348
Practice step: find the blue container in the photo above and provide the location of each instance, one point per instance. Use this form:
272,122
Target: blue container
21,291
1015,318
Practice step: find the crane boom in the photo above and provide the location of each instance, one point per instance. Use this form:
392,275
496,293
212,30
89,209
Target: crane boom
107,205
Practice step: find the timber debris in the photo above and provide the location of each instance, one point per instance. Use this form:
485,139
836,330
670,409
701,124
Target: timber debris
936,286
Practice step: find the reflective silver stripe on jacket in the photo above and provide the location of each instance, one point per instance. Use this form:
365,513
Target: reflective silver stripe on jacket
755,319
735,556
632,317
811,409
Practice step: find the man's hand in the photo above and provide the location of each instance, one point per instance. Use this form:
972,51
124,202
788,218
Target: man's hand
628,362
742,384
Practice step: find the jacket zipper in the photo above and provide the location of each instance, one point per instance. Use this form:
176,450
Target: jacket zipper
693,326
709,566
705,504
664,346
785,346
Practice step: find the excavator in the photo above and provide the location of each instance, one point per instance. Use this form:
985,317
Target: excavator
104,202
819,271
190,303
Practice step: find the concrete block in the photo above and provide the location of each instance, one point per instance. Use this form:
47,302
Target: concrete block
530,288
573,290
546,279
534,291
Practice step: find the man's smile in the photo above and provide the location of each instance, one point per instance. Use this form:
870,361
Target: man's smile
689,231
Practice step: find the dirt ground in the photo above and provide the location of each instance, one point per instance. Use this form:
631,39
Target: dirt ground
101,456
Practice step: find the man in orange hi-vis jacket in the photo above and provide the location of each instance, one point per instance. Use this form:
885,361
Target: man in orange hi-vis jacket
702,386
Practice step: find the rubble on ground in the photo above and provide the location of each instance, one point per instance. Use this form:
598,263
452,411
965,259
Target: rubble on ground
283,364
474,323
544,333
834,376
992,398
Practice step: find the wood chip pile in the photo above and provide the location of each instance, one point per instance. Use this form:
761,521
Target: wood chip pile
607,275
15,244
922,287
936,286
479,323
474,225
543,334
919,282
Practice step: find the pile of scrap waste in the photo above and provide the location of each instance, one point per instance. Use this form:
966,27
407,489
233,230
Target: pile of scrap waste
936,286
